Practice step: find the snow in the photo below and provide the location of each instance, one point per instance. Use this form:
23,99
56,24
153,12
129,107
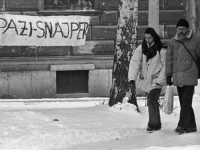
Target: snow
90,124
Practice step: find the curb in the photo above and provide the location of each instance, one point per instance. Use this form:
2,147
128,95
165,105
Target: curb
57,103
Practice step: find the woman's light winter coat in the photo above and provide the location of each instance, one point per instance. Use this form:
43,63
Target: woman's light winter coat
147,74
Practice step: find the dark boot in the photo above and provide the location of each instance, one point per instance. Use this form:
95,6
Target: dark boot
179,130
189,130
153,127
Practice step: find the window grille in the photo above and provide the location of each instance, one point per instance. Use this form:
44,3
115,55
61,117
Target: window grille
68,4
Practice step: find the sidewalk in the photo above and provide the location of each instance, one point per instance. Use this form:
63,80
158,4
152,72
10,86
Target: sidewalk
40,126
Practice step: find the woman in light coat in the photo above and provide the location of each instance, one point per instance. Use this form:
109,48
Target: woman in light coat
147,71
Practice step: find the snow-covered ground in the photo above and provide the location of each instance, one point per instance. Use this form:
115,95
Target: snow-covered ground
91,126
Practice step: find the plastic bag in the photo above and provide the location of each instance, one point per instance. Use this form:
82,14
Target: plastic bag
168,103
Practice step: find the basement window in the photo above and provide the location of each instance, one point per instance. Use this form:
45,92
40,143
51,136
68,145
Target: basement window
69,82
69,7
68,4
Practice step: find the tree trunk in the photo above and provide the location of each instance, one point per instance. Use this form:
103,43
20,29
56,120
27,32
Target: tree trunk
125,44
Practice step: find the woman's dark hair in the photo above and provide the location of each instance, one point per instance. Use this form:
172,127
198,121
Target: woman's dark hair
150,52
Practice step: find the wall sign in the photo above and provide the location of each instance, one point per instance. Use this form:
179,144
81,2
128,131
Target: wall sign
21,30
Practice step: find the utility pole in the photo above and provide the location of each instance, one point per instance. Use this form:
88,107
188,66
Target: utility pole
4,5
153,18
191,14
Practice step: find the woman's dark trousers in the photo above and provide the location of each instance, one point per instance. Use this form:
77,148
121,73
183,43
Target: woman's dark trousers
153,107
187,118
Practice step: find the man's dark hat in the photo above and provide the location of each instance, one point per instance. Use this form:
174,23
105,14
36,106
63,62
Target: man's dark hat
183,23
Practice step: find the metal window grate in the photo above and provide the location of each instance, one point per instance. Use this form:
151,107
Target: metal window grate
68,4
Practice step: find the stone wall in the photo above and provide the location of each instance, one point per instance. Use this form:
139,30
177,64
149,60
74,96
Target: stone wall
102,30
26,71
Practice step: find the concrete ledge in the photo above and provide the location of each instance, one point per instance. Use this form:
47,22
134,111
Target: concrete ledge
72,95
82,99
72,67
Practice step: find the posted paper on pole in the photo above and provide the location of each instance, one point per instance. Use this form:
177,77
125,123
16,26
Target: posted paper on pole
22,30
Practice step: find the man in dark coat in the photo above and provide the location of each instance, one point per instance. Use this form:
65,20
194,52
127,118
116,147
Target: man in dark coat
182,71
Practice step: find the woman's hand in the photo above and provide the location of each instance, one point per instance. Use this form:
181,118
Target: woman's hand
169,81
132,82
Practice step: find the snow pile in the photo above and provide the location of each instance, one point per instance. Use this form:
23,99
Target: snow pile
33,130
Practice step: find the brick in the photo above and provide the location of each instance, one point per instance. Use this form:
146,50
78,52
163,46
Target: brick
43,84
96,4
142,17
104,48
96,86
3,85
13,12
23,67
142,29
70,12
144,4
109,18
174,4
45,51
95,48
104,33
105,65
109,4
10,51
165,17
72,67
171,17
170,31
24,89
89,34
21,5
94,20
84,49
163,4
1,4
30,13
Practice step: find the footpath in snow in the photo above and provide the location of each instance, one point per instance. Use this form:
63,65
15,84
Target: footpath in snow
90,125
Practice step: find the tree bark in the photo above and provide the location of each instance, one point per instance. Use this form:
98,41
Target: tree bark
125,44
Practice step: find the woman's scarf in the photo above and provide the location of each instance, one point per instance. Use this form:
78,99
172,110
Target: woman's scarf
150,50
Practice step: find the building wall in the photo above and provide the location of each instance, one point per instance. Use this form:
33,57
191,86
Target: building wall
26,71
102,28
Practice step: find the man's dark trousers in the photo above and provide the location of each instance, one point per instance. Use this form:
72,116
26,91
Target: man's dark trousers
187,118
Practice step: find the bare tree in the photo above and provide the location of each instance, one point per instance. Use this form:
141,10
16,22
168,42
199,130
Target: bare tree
125,44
